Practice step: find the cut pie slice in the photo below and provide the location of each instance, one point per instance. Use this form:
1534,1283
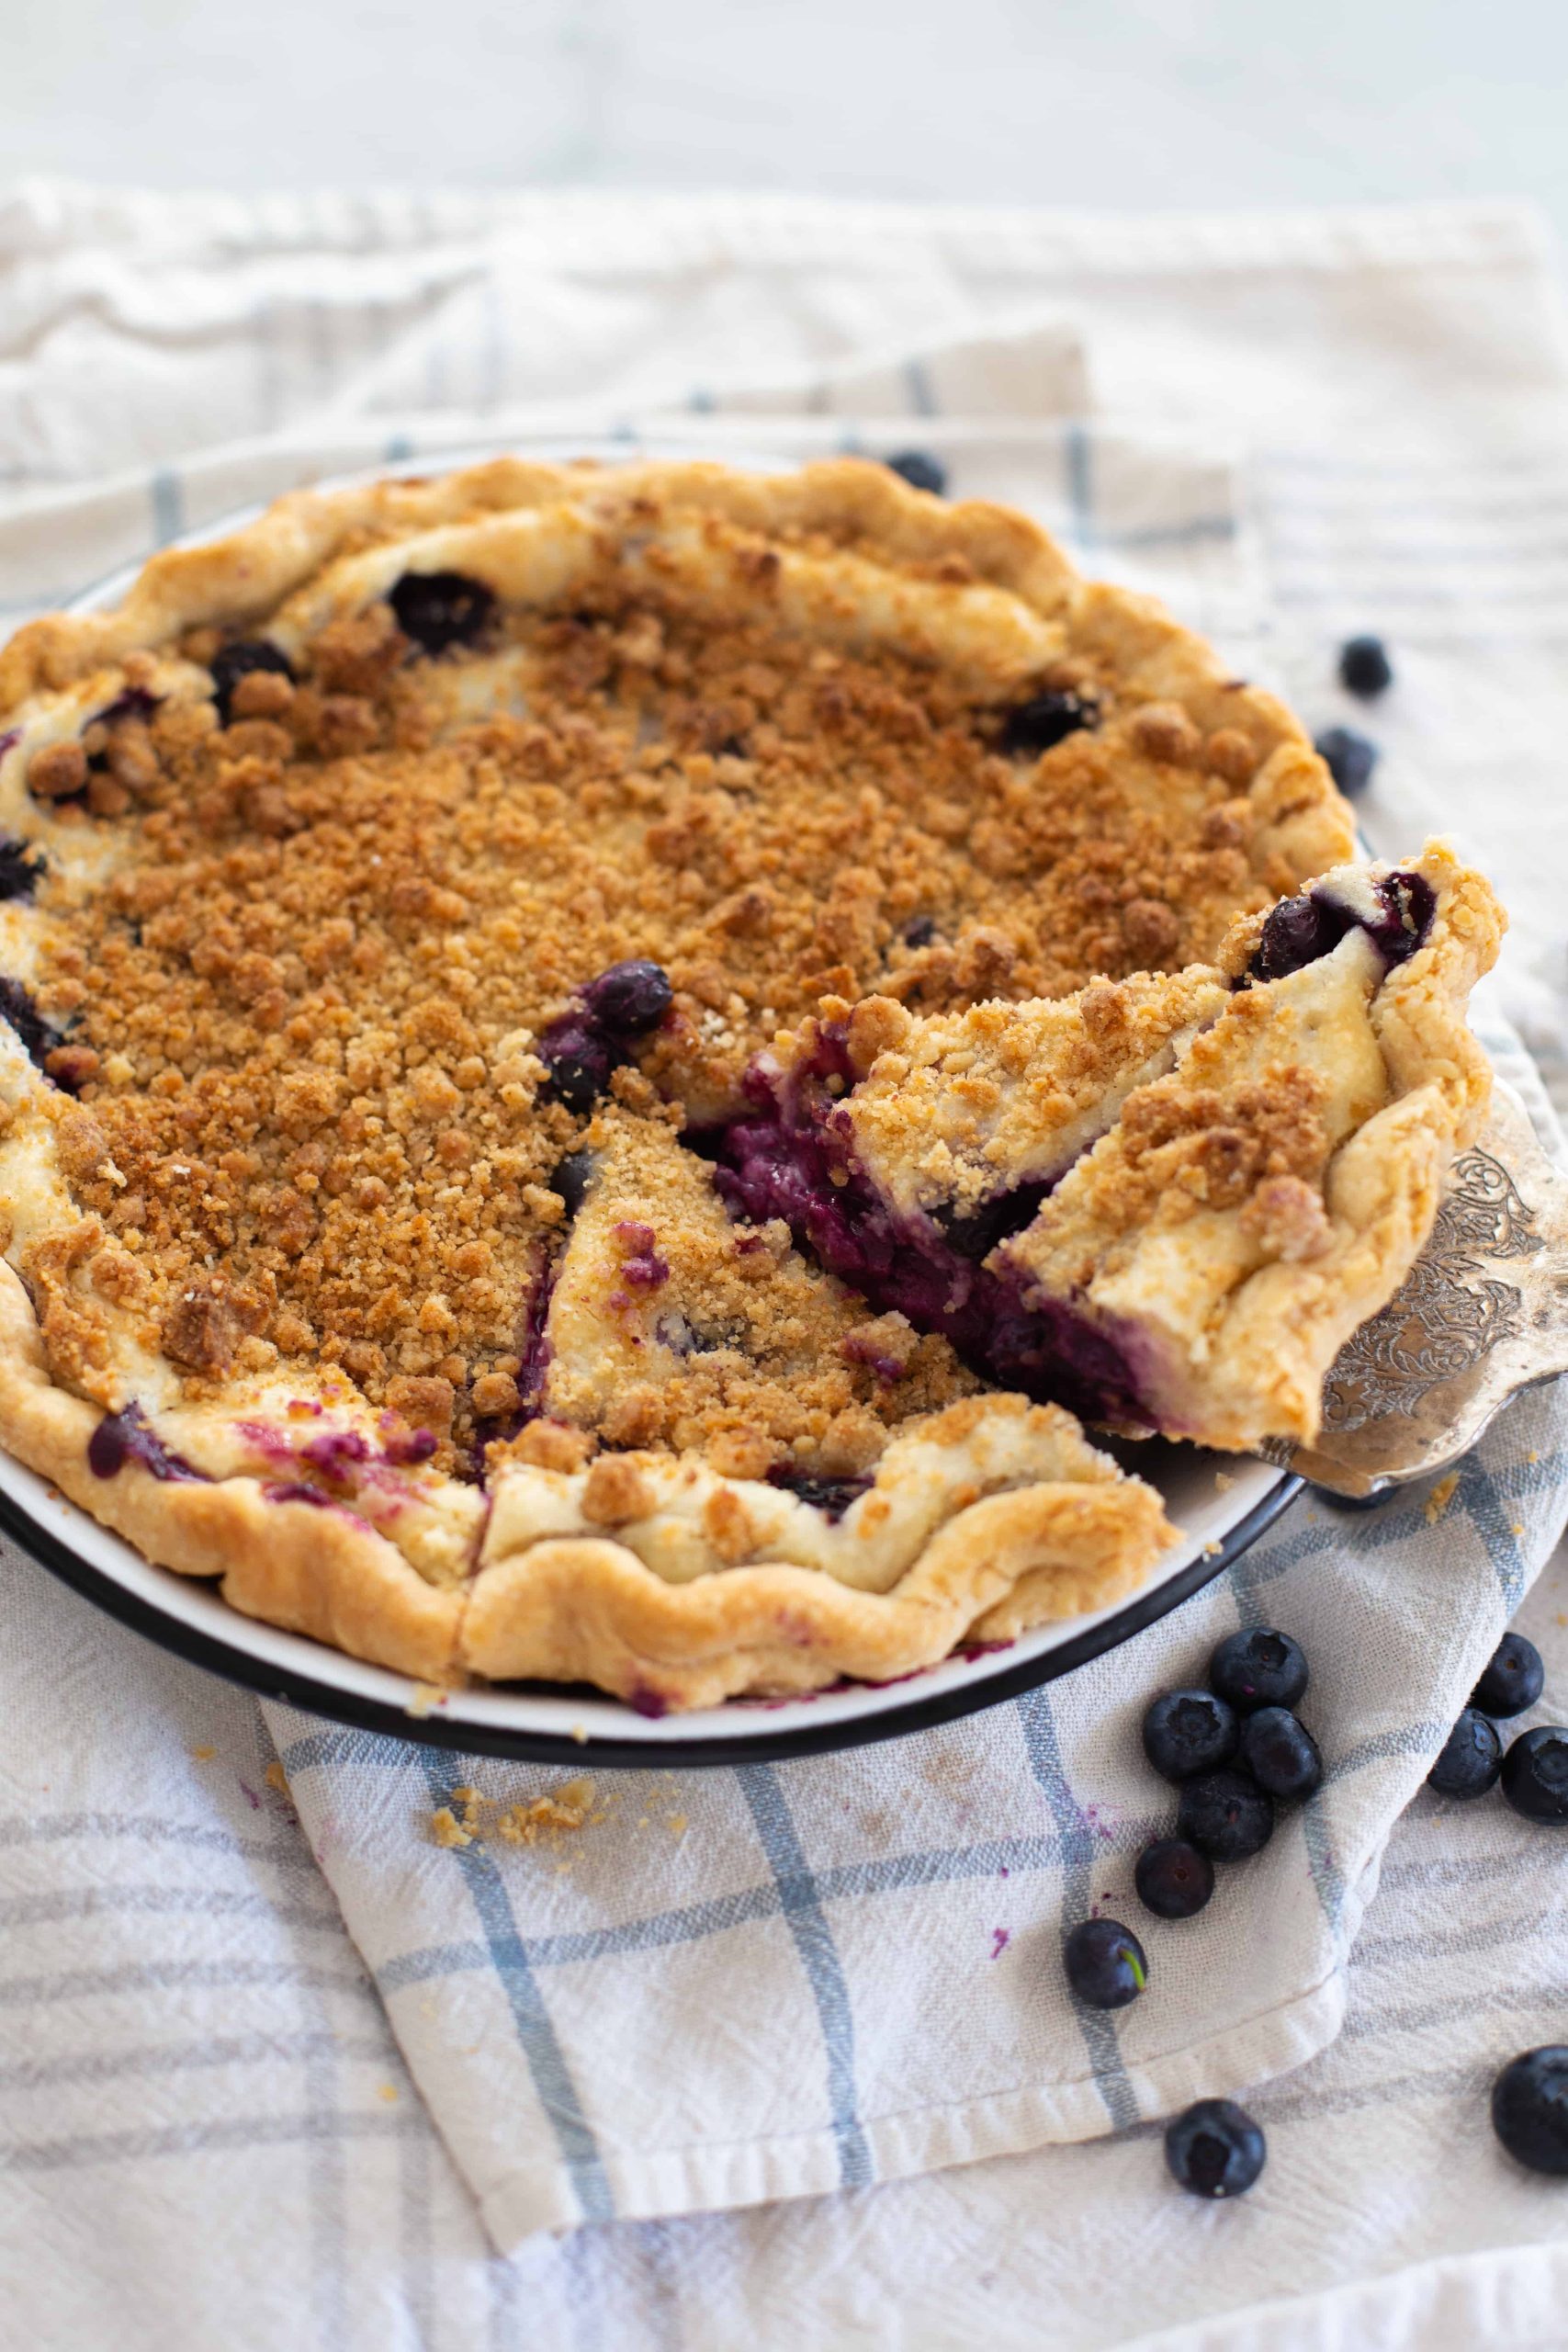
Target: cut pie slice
1166,1202
741,1476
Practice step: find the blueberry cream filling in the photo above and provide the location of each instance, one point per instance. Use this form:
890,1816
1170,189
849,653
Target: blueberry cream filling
790,1161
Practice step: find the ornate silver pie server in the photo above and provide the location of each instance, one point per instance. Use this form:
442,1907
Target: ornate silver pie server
1482,1313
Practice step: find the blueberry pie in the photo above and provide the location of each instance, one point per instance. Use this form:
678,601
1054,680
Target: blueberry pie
595,1065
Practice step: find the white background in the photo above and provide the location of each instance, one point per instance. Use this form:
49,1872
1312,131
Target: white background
1142,104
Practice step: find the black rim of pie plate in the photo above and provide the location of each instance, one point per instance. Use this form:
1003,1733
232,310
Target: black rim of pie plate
297,1689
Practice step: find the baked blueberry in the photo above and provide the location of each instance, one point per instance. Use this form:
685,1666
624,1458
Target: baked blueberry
1513,1680
1189,1731
1529,2108
1105,1963
1257,1668
1224,1815
920,933
1364,666
569,1179
919,469
1043,721
1295,933
630,997
22,869
442,609
1215,2149
233,663
1535,1774
1281,1754
37,1037
1173,1879
578,1059
1349,758
1472,1758
830,1495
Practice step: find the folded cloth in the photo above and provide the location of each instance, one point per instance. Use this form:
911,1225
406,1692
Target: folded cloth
685,1993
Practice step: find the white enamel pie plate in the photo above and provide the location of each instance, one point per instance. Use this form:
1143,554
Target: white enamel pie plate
1220,1503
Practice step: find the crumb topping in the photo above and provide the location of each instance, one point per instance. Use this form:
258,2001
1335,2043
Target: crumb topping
302,1015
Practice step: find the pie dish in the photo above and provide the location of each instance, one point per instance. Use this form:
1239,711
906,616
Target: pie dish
469,946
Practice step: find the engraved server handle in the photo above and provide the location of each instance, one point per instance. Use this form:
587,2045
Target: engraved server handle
1482,1313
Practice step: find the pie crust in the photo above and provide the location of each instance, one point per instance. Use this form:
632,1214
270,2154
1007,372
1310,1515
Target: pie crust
439,878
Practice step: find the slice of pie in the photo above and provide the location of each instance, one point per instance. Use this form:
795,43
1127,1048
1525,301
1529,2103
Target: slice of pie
593,1059
1165,1202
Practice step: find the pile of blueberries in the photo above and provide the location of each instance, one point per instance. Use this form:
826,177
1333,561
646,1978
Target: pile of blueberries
1534,1772
1235,1751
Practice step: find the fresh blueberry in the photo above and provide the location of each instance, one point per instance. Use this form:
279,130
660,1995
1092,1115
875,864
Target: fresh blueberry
1046,719
1189,1731
1173,1879
22,868
1529,2108
1281,1754
919,469
1348,757
1105,1963
570,1178
1257,1668
233,663
1364,666
442,609
1535,1774
1215,2149
630,997
1470,1760
1224,1815
1514,1680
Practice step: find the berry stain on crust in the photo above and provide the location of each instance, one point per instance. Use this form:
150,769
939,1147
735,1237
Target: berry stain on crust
128,1436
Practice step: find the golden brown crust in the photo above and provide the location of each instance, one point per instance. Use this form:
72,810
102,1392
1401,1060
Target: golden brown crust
321,1572
577,1608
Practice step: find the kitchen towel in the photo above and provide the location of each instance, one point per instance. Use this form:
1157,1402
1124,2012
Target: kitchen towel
736,1987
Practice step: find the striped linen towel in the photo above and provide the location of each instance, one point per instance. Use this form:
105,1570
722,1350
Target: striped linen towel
734,1988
